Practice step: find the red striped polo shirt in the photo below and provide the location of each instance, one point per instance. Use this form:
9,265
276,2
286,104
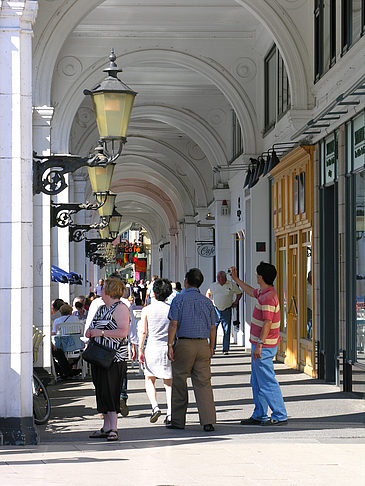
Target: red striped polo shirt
266,308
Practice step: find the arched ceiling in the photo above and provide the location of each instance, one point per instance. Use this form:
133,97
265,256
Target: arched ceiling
192,64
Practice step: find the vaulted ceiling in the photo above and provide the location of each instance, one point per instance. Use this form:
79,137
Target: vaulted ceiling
193,63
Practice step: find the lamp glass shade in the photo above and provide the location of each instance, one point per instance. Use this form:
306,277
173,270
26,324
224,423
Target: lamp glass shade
112,112
114,223
101,177
107,208
104,233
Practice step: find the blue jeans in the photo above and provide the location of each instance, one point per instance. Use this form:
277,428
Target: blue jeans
265,387
225,318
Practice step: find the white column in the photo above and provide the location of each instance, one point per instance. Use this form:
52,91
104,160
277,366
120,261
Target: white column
187,247
155,264
61,249
42,117
78,257
223,232
173,260
16,217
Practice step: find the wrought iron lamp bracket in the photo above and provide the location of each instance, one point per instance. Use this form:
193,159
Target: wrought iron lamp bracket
78,231
61,212
49,171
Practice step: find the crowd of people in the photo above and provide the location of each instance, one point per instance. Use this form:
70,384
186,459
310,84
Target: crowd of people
171,331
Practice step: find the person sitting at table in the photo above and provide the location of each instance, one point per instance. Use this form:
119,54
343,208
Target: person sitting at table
62,365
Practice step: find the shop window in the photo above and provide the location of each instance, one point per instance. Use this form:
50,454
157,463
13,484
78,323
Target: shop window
353,22
324,36
307,322
360,264
356,230
283,288
277,92
355,142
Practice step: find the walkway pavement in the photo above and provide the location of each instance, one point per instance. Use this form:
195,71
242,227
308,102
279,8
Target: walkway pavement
324,441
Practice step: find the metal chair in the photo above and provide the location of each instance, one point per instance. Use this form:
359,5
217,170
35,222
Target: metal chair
37,339
74,346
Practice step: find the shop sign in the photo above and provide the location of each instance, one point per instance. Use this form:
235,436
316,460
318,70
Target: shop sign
359,142
140,266
130,248
206,251
330,158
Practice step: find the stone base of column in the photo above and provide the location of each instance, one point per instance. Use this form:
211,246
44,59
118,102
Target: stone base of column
18,431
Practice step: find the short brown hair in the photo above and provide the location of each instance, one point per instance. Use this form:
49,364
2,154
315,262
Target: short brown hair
114,287
66,310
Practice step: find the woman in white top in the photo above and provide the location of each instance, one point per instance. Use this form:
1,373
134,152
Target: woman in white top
157,365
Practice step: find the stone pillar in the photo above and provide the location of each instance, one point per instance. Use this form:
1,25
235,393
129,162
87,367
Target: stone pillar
223,232
341,206
61,248
173,260
42,117
187,247
78,254
155,264
16,218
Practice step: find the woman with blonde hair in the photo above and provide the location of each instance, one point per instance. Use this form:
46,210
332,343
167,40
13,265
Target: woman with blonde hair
110,328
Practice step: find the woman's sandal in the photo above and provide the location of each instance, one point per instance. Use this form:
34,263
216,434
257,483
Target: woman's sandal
100,434
112,435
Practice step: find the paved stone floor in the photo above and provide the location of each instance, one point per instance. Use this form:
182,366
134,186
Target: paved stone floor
324,442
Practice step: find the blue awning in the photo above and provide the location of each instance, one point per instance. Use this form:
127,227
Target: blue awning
59,275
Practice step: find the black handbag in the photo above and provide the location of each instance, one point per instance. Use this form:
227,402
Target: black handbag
98,354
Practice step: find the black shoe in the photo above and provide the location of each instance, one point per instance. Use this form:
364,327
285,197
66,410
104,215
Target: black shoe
167,420
275,422
252,421
124,410
225,352
172,426
208,428
156,412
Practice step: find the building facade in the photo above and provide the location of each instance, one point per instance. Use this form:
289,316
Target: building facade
246,143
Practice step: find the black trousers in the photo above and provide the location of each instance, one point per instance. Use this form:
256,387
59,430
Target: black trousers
108,386
63,367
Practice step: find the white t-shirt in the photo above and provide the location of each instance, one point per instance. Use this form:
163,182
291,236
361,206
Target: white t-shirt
223,295
61,319
158,322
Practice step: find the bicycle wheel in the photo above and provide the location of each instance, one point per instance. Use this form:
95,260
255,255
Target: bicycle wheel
41,402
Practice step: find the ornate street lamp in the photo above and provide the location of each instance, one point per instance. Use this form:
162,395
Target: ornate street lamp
114,223
105,233
108,207
113,102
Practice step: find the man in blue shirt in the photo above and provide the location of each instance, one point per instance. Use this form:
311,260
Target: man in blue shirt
192,322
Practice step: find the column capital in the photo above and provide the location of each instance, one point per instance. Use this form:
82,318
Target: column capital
42,116
222,194
18,15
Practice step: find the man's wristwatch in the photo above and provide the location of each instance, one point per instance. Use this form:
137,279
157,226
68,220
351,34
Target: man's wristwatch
259,341
170,345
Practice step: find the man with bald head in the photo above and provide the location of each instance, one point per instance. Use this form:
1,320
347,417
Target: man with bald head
225,295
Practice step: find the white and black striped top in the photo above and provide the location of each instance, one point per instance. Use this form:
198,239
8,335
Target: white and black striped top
103,319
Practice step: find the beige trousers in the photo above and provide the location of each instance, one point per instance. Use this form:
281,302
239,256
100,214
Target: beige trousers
192,358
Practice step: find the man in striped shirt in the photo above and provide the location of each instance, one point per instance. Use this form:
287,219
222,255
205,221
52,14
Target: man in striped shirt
264,337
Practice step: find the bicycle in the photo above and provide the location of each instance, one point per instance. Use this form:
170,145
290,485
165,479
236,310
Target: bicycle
41,401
